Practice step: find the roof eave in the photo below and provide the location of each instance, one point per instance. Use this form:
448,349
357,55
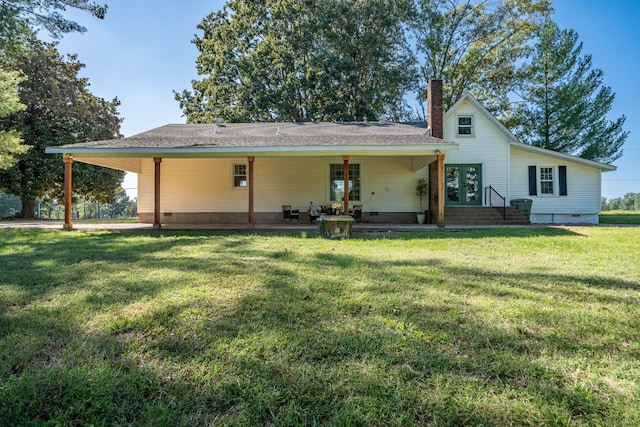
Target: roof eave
279,151
603,166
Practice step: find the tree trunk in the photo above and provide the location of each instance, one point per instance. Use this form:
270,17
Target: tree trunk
28,209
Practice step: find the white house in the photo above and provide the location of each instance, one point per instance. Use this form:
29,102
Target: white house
562,188
245,172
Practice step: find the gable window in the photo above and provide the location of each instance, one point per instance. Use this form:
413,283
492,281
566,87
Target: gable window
465,126
239,175
336,182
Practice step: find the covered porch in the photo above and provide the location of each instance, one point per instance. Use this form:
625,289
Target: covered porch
243,173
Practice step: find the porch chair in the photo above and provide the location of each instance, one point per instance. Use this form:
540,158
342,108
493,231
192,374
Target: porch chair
289,214
357,213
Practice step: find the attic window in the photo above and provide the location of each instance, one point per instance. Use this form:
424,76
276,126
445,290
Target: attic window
465,125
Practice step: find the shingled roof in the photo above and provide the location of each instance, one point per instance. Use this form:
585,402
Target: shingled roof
181,136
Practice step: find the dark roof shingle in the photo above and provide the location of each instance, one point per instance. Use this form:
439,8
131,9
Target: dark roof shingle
271,135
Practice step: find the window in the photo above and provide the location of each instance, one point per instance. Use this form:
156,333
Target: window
239,175
465,125
336,182
546,181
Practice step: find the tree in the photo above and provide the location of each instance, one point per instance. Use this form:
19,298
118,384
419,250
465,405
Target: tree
565,103
60,109
474,45
300,60
13,33
18,19
10,142
123,206
46,14
629,202
9,205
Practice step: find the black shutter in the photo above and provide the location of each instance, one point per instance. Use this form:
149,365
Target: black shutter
533,180
562,173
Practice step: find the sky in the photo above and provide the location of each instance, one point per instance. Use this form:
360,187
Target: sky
142,52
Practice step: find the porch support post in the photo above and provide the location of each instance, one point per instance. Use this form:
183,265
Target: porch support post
441,190
68,189
251,160
156,193
345,159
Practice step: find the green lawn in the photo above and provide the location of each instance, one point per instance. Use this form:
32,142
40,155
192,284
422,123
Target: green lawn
498,327
620,217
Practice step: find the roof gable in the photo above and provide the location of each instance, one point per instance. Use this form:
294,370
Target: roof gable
513,140
485,113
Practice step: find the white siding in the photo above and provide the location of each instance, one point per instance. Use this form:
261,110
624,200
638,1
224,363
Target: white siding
488,146
387,184
582,202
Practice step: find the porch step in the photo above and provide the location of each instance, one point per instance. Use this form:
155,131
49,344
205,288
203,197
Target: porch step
482,215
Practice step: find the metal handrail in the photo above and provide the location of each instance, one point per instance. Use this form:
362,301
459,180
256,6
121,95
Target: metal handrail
492,192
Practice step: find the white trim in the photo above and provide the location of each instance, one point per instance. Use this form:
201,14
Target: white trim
328,181
466,96
278,151
508,183
471,126
554,180
513,140
233,176
602,166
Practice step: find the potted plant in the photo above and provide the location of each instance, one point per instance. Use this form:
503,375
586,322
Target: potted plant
421,192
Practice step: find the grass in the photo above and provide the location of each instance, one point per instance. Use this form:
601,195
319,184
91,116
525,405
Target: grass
620,217
496,327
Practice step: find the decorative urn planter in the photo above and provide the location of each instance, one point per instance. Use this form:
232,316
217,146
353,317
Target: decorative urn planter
335,226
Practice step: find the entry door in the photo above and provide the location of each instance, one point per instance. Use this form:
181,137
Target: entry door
464,185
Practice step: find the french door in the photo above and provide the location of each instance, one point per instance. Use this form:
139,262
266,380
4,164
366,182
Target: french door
463,185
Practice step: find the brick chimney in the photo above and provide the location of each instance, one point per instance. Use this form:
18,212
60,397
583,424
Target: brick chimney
434,108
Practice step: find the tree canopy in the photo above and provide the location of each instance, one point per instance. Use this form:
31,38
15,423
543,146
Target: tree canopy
628,202
19,19
10,141
60,109
564,100
353,60
474,45
293,60
35,14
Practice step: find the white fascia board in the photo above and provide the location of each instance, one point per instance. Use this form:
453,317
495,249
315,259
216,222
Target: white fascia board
602,166
370,150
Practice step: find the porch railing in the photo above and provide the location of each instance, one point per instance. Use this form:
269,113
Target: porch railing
492,195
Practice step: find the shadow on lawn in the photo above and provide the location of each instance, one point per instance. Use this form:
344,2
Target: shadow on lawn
396,345
470,233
